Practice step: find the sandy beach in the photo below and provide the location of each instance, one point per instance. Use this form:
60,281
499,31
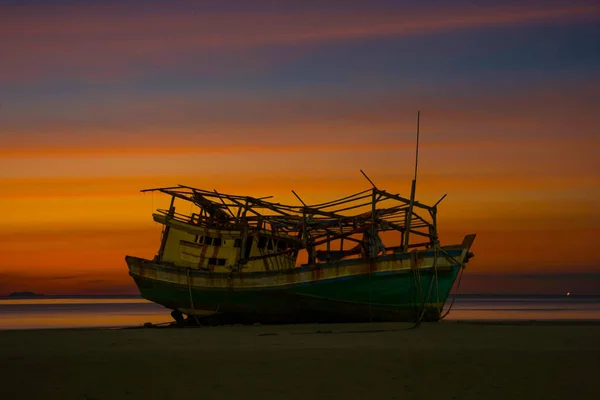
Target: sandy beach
350,361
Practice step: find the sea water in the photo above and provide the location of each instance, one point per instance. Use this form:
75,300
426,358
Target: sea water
44,313
525,307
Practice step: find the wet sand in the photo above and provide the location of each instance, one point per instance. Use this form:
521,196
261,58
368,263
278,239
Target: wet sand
349,361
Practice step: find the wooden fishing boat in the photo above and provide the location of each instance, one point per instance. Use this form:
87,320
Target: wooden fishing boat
237,256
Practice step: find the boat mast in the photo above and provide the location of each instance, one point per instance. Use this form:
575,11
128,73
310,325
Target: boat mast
412,190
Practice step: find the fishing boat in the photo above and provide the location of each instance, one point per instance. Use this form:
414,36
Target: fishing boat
238,256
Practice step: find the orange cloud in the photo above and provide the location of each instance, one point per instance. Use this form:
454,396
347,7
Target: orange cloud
430,184
529,159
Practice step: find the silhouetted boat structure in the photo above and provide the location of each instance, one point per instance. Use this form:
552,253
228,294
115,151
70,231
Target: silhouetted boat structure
236,256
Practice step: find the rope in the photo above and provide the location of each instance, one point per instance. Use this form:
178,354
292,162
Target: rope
416,279
424,299
455,293
370,299
187,273
414,285
371,257
437,280
423,306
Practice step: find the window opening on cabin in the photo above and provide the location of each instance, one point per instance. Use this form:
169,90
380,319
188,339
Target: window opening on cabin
209,241
262,242
237,243
281,245
270,244
217,261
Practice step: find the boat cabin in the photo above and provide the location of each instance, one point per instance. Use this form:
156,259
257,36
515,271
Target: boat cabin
220,250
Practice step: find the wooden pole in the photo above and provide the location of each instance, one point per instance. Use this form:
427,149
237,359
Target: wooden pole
417,149
342,239
165,232
374,243
244,223
370,181
298,197
412,189
226,206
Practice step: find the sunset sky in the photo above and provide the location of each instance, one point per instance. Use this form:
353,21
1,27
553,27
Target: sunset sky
100,99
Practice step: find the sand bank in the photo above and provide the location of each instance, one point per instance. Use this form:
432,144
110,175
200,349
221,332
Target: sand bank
349,361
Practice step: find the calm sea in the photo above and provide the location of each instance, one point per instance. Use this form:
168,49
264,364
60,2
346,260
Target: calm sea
42,313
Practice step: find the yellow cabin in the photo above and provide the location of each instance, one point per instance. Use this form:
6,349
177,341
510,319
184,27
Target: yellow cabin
220,250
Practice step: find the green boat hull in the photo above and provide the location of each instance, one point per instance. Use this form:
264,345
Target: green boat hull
402,295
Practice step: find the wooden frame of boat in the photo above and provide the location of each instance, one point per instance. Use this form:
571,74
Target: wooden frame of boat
306,226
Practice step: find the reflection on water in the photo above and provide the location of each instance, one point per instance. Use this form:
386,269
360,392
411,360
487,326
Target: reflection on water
44,301
74,313
112,312
540,308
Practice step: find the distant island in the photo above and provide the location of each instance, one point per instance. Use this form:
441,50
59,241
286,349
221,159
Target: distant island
25,294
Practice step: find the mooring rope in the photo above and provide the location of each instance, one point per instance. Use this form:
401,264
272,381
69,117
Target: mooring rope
371,249
370,289
428,296
187,273
416,279
437,280
462,268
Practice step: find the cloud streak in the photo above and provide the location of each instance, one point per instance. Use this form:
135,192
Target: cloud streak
296,121
96,43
